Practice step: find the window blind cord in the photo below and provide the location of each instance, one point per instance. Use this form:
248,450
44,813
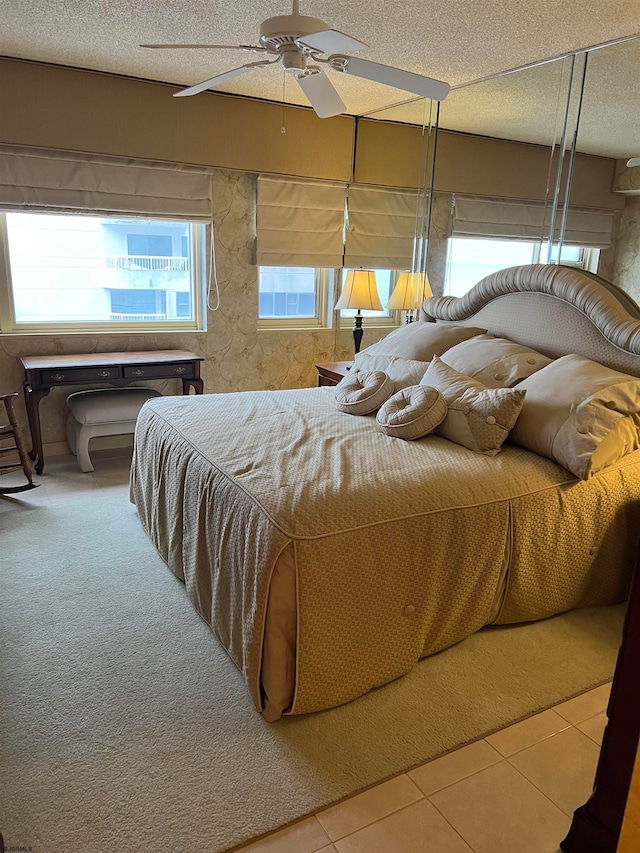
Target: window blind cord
213,274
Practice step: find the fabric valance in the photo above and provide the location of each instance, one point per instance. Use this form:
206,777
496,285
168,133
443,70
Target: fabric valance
381,227
299,223
528,220
46,180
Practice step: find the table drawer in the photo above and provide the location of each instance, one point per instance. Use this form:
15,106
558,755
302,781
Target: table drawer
182,370
327,380
72,375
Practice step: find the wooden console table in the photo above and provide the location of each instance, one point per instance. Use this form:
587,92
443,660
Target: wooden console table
44,372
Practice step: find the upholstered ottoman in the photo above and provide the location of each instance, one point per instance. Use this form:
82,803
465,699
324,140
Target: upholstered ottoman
107,411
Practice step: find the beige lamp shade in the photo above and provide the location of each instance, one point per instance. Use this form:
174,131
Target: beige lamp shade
360,291
411,288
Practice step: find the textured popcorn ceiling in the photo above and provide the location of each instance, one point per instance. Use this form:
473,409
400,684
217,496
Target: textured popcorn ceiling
457,42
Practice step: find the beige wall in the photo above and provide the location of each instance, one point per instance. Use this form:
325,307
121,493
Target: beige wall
626,263
83,111
58,107
475,165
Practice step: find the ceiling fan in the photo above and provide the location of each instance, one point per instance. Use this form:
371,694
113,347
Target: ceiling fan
299,42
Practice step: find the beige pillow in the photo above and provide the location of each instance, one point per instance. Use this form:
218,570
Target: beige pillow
402,371
580,413
363,391
421,341
496,362
478,417
412,412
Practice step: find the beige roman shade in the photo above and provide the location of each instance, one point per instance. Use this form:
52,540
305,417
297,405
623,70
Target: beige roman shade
528,220
46,180
381,227
299,223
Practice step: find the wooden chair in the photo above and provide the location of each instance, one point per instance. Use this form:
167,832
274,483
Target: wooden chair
10,431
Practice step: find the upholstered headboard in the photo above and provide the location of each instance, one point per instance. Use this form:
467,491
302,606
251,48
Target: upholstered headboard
554,309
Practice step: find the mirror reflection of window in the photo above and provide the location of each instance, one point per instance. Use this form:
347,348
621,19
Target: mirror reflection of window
469,260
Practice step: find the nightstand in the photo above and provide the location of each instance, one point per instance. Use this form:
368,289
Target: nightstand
331,372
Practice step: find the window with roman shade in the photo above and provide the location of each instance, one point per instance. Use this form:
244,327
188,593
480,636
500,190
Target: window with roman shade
299,223
46,180
84,237
515,219
381,227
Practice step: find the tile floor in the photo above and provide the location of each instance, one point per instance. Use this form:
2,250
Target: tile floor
513,792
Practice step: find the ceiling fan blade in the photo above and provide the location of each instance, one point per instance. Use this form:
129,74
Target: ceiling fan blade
321,94
426,87
204,47
219,78
330,41
634,161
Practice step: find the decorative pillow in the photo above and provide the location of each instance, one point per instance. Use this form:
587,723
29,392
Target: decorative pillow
402,371
421,341
580,413
496,362
363,391
478,417
412,412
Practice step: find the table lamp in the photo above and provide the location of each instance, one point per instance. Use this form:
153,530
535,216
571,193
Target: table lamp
411,288
359,291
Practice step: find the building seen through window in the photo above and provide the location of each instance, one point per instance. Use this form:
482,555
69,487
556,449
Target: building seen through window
68,269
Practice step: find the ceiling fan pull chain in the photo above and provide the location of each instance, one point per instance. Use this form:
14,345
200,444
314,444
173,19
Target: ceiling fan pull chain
283,129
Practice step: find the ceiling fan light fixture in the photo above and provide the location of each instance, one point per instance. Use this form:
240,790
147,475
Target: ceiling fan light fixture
293,40
634,161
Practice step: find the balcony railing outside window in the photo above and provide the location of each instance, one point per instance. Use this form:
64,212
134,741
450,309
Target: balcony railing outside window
153,263
136,318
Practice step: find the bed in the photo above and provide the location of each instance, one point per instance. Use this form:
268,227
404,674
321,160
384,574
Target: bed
328,557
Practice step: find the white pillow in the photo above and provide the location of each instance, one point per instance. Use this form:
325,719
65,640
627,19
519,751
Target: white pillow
412,412
580,413
363,391
421,341
496,362
478,417
402,371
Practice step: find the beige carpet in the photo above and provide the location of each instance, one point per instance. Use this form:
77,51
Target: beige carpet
124,726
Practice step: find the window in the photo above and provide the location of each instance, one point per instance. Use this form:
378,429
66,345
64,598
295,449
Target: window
293,296
300,297
469,260
90,273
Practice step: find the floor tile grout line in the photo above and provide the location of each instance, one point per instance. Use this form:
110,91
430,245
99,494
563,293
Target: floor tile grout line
536,742
544,794
448,822
422,796
462,778
328,841
384,817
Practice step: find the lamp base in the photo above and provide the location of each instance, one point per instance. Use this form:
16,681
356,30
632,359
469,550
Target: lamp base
358,332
